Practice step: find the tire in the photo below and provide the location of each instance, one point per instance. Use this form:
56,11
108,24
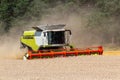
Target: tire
26,57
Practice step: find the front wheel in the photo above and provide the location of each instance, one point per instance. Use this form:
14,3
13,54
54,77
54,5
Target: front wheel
26,57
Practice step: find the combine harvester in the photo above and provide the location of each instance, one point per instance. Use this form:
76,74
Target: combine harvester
52,41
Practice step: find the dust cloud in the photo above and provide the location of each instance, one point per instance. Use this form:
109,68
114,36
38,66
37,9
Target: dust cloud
10,44
10,47
75,20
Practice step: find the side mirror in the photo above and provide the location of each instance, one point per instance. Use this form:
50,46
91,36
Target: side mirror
69,32
44,34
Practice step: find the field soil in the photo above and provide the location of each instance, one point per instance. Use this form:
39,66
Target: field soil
105,67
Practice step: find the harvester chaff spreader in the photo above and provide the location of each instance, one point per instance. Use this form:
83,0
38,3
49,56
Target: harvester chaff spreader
52,41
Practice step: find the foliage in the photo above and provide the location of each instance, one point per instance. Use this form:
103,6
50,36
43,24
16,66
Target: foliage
104,20
10,9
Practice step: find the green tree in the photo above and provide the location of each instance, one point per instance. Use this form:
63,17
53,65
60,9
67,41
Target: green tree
6,13
10,9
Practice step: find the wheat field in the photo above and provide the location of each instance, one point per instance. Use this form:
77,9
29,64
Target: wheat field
105,67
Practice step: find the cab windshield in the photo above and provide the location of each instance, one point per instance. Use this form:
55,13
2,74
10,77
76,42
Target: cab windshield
56,37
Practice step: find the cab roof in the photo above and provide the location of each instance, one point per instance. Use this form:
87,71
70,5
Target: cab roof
49,27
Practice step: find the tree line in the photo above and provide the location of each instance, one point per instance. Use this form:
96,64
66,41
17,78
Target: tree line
104,21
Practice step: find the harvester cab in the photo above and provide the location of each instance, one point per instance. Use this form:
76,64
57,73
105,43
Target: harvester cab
46,37
51,40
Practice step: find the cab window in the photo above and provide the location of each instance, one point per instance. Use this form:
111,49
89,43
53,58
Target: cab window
38,33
